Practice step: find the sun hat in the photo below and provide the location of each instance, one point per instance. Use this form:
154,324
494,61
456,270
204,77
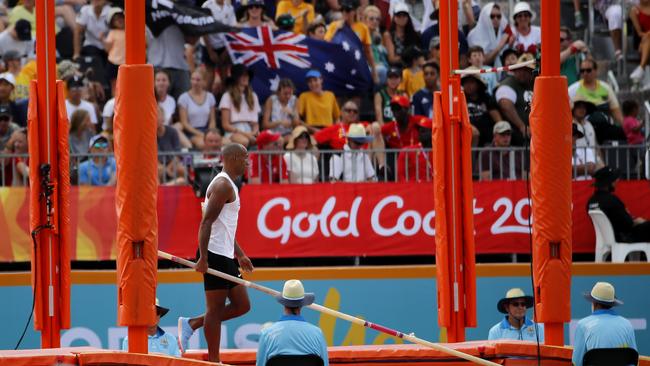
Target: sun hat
603,293
161,310
513,294
357,133
521,7
297,132
401,7
582,99
477,77
501,127
294,296
527,57
112,12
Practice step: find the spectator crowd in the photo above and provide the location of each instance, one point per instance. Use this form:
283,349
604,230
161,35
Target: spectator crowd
306,136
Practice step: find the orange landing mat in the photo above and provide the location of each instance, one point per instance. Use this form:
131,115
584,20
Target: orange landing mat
502,352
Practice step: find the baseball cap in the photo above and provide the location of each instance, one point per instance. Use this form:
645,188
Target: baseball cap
75,81
349,4
8,77
401,100
394,71
425,122
266,137
501,127
23,30
11,55
285,21
313,74
97,138
5,110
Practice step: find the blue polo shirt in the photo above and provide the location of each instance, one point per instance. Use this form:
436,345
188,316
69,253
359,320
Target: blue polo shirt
504,330
95,175
602,329
161,342
291,335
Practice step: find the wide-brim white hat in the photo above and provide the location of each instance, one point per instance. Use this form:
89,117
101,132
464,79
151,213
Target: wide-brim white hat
294,296
521,7
603,293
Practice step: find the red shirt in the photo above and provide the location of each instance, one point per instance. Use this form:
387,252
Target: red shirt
417,164
260,165
334,135
396,139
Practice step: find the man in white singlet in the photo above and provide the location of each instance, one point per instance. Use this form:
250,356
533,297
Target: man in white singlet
219,250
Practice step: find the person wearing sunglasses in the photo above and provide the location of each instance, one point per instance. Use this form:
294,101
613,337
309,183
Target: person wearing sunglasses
99,169
254,15
491,33
515,325
603,97
572,52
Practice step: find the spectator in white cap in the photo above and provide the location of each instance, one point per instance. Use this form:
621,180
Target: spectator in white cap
7,86
528,37
501,162
100,169
158,340
515,325
603,328
354,164
292,335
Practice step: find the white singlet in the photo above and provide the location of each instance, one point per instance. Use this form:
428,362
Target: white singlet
222,234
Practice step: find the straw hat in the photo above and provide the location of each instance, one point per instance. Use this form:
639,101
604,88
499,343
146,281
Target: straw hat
296,133
357,133
294,296
161,310
513,294
603,293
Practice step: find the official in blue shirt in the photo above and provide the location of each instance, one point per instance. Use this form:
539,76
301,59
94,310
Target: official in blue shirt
98,170
159,341
515,325
603,328
292,335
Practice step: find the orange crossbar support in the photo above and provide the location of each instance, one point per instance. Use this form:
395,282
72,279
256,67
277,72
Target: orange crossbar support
551,183
137,185
453,189
50,182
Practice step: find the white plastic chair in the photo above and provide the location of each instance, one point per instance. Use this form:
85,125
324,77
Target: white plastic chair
606,242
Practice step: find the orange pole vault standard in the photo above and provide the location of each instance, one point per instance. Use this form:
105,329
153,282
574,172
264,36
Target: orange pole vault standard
551,184
49,182
137,185
456,277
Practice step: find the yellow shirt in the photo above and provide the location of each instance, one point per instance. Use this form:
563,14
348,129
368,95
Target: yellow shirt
318,110
19,12
286,6
411,82
359,28
24,78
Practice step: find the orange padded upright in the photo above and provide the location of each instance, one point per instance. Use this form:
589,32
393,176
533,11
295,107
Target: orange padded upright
136,194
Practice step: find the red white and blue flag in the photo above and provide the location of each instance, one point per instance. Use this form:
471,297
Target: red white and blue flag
273,55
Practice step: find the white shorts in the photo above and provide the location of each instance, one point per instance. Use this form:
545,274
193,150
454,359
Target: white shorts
614,15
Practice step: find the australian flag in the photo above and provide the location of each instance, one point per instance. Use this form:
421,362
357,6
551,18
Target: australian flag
273,55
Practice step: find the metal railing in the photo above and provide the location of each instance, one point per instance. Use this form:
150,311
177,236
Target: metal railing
406,165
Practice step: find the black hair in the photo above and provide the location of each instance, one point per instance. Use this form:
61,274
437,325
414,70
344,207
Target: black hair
630,108
432,64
